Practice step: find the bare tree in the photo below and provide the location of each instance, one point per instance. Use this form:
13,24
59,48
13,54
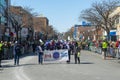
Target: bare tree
11,18
31,11
68,33
99,14
51,32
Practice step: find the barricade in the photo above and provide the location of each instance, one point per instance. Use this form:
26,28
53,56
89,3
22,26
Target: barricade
96,49
92,48
99,51
118,53
114,54
8,52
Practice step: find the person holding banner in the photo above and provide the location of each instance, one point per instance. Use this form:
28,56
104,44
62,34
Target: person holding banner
69,52
40,53
77,55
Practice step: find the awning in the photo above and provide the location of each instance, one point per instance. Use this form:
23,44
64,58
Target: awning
112,33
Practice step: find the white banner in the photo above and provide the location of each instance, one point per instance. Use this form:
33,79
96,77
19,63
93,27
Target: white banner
56,55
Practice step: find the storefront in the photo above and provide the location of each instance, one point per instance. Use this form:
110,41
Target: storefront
113,36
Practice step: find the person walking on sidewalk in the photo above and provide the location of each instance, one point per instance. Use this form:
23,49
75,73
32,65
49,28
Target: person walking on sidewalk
40,53
17,54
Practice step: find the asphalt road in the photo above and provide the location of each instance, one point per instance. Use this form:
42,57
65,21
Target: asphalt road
92,67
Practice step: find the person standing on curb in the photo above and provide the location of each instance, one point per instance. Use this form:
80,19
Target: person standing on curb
1,52
118,55
17,54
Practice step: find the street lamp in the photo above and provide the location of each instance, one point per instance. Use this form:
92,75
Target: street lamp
21,24
20,33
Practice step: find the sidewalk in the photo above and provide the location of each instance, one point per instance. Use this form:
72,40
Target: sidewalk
110,59
10,62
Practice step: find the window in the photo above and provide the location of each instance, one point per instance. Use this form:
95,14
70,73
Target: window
117,20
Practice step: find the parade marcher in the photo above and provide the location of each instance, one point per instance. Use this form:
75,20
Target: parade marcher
104,48
78,52
40,53
1,52
17,54
69,52
75,52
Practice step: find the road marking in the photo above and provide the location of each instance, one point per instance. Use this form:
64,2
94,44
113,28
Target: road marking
19,71
98,78
20,75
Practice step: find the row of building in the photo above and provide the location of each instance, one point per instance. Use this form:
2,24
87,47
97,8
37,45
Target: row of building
81,32
18,23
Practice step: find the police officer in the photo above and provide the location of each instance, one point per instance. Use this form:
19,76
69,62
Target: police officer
104,48
1,52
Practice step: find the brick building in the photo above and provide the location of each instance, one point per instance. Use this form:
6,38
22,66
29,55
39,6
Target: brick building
27,20
40,24
86,32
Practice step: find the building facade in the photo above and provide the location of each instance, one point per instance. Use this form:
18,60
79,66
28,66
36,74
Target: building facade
115,15
81,32
40,25
25,20
4,6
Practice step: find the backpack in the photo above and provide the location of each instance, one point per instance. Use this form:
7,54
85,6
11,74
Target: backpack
37,49
17,49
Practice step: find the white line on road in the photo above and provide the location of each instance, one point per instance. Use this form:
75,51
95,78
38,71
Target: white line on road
20,75
19,71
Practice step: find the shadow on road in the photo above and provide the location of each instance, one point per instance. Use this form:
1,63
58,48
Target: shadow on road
20,65
32,64
82,63
8,66
67,63
86,63
46,63
118,61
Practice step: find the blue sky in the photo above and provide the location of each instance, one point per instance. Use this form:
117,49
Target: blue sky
62,14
